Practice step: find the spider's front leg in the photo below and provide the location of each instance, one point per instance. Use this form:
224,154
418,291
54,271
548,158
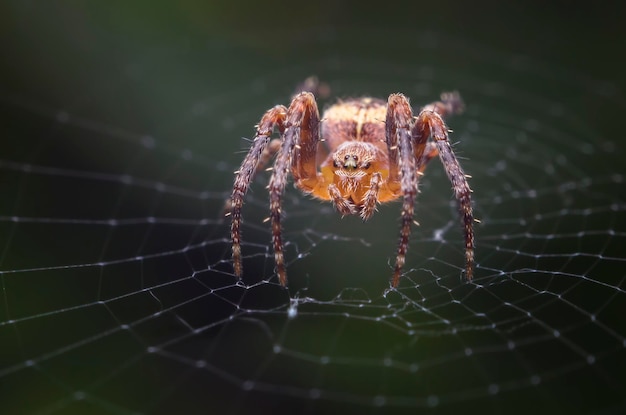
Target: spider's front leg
298,155
402,167
430,123
257,156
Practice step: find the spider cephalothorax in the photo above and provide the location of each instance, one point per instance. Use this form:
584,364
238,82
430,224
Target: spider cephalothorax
377,152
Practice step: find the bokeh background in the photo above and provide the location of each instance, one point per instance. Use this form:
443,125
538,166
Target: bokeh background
135,111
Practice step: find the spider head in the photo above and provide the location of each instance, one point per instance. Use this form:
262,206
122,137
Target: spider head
354,160
351,168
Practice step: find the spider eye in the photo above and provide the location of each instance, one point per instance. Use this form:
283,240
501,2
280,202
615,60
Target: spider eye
366,165
351,162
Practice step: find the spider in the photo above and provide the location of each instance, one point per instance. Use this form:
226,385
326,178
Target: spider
377,152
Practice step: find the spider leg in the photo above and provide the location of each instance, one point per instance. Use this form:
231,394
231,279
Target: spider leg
427,154
297,154
430,123
341,204
255,159
402,157
305,114
371,197
450,104
313,85
270,150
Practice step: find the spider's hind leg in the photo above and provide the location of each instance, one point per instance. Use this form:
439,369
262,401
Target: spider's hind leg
451,103
313,85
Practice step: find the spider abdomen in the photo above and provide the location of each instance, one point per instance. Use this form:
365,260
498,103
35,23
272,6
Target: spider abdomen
355,119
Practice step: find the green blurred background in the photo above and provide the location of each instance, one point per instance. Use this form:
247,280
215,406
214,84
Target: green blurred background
191,78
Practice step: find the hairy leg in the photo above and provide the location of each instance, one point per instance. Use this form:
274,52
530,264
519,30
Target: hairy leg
400,145
313,85
429,152
341,204
450,104
303,161
430,123
251,164
300,124
371,197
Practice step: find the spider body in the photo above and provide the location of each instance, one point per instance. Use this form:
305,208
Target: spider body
376,153
352,131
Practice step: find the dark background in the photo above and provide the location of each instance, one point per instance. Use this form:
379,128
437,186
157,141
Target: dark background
131,88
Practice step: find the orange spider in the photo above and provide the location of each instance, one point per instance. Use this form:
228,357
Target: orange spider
377,152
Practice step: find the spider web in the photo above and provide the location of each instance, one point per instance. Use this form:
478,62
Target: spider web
117,293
